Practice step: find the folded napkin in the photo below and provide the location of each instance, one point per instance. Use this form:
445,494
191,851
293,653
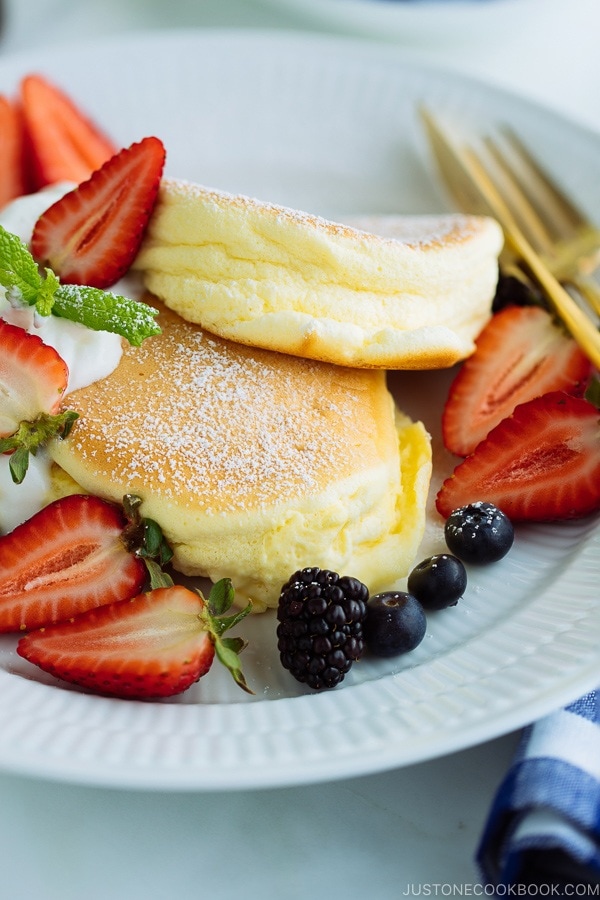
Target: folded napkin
544,824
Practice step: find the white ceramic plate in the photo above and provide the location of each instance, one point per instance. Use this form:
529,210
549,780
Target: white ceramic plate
428,22
329,127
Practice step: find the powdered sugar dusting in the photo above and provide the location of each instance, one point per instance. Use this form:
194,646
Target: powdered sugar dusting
421,230
190,416
415,231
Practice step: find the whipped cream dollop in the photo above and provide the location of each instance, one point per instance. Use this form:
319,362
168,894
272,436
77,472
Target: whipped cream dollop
90,355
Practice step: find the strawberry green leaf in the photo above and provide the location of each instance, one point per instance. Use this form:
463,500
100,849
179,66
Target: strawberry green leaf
219,601
103,311
30,436
144,536
227,654
154,544
221,597
18,465
236,644
592,394
158,578
224,623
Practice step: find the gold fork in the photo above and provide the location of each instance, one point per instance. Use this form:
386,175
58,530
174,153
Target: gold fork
553,224
556,228
468,177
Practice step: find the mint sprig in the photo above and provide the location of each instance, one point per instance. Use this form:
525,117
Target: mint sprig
96,309
104,311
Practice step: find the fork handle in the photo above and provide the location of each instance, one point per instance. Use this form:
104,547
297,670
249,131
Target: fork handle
577,322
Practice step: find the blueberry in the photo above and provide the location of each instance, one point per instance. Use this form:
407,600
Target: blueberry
438,581
479,533
395,623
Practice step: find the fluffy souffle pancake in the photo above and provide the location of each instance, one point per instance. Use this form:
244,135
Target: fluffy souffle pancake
407,293
254,463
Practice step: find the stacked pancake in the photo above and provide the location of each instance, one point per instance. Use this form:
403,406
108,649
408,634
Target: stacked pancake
406,293
257,453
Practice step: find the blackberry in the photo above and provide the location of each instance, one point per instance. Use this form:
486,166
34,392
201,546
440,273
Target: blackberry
320,626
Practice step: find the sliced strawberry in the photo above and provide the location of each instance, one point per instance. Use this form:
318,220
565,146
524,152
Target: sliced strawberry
92,234
63,144
542,463
67,558
519,355
156,645
33,377
12,170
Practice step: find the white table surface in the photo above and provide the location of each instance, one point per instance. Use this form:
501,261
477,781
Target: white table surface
383,836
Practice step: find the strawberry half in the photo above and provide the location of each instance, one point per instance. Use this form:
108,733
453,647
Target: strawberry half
519,355
67,558
33,377
156,645
542,463
12,179
93,233
63,144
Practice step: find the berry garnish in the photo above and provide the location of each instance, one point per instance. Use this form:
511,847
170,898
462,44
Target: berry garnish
320,626
479,533
395,623
539,464
69,557
155,645
62,143
91,235
33,380
12,171
33,377
519,355
512,291
438,581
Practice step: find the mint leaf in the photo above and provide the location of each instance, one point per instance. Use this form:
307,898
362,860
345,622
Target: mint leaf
47,293
19,273
96,309
103,311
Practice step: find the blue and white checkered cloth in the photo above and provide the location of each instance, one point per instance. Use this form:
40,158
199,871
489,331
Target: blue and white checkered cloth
544,824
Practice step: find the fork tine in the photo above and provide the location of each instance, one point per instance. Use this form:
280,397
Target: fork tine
576,238
578,323
461,166
556,198
546,241
532,224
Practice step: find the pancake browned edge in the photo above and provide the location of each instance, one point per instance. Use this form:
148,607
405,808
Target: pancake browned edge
254,463
396,292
